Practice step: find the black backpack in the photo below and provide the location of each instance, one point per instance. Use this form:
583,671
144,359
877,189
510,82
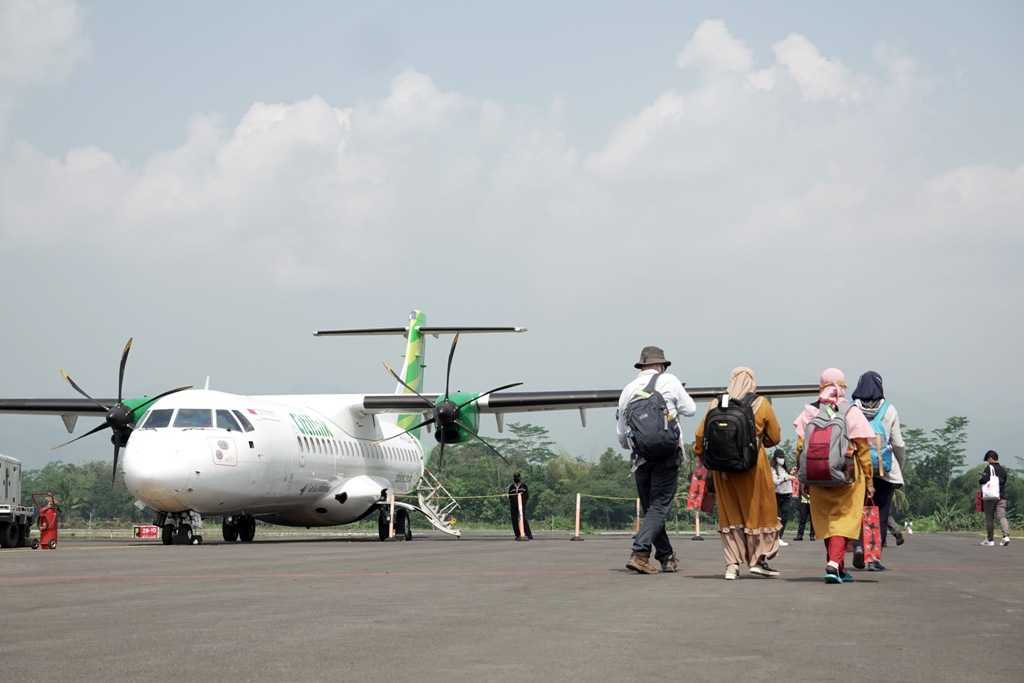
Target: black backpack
730,436
653,435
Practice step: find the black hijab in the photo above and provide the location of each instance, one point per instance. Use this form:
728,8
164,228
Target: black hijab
869,387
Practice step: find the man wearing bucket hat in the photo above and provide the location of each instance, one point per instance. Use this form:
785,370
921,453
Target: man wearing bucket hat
661,395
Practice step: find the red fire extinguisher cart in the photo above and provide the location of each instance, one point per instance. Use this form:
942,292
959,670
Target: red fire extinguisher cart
46,505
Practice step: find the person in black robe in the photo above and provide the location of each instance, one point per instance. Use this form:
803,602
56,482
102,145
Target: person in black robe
515,488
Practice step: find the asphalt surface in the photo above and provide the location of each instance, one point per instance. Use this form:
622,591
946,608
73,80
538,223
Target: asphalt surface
488,608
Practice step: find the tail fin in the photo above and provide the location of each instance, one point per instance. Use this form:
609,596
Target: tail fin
412,366
415,349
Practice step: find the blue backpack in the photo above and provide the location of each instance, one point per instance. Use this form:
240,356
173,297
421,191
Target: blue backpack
881,442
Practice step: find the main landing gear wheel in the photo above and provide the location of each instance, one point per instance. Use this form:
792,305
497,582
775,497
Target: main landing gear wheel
382,524
229,530
403,524
246,528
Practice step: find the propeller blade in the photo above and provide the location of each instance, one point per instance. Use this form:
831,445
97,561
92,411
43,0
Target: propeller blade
440,457
81,390
97,428
421,424
156,398
113,475
502,388
120,371
402,382
448,374
480,439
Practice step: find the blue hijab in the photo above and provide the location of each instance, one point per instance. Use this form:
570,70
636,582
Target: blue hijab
869,387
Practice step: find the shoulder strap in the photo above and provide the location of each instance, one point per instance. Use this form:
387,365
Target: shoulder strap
650,385
880,415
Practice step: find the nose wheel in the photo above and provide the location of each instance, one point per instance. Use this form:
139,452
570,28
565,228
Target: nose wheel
182,529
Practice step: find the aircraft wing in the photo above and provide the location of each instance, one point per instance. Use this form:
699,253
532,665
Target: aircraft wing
78,407
533,401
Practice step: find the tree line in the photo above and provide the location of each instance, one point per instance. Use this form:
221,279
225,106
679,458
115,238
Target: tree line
939,493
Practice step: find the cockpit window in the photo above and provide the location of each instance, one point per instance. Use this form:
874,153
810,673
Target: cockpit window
226,421
157,419
193,418
246,425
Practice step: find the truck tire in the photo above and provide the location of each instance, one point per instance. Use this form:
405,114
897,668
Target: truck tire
8,535
167,534
23,533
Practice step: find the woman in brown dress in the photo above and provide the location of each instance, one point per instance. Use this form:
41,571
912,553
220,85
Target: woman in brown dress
748,518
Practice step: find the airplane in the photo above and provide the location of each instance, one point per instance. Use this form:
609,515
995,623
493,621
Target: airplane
306,460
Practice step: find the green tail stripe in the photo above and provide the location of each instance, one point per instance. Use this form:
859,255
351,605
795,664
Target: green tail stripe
412,367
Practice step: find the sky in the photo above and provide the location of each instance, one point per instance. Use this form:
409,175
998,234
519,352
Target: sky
789,188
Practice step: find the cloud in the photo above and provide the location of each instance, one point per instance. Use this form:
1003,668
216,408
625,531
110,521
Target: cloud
40,40
818,78
712,48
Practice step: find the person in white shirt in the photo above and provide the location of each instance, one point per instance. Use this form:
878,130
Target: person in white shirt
783,489
656,479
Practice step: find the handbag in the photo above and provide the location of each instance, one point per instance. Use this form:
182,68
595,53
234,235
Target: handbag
990,489
871,533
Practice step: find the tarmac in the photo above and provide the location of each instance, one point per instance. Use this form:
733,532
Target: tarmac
488,608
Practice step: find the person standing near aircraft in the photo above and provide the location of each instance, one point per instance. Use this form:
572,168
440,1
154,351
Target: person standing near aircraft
993,492
837,504
519,493
882,416
748,517
648,425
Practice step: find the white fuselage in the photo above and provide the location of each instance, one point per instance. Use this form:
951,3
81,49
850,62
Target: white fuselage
309,460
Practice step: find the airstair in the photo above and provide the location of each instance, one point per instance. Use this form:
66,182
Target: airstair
437,504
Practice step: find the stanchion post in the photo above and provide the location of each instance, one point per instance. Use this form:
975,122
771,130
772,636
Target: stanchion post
577,536
636,524
391,514
696,527
522,527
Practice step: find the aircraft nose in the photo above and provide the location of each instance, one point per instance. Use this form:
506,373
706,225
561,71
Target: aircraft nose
156,472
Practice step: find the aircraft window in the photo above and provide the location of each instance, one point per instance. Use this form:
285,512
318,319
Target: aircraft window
246,425
226,421
193,418
157,419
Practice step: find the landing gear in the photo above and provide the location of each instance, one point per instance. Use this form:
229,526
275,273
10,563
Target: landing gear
246,528
403,525
181,528
229,529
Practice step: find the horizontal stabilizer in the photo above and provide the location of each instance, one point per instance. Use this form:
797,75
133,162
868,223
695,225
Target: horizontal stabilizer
435,330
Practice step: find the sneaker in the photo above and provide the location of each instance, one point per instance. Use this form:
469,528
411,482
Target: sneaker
641,563
858,557
732,572
812,539
832,575
846,577
670,565
763,569
783,543
876,566
899,538
798,538
988,543
1005,541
